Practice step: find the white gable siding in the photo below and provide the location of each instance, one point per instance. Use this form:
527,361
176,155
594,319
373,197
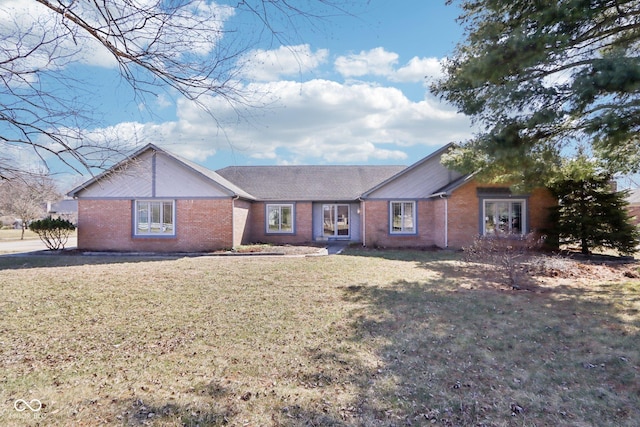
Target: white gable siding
174,179
134,180
153,174
422,181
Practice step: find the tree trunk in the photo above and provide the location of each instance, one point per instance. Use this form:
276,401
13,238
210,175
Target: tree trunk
585,247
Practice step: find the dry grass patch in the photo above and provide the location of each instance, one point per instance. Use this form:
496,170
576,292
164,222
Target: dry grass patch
13,234
369,338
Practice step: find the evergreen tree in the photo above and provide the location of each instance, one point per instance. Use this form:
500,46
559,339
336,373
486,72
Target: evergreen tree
539,76
591,212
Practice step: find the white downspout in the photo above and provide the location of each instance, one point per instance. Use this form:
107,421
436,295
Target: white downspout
446,222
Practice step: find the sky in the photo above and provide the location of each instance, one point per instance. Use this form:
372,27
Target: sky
348,89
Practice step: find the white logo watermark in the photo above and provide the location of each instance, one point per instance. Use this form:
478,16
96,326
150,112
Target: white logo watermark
22,405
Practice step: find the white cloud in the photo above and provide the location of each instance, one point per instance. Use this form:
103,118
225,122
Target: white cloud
31,27
377,62
381,63
26,24
270,65
418,70
317,121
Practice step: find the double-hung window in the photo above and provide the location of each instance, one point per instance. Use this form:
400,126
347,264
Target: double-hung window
402,217
154,218
280,218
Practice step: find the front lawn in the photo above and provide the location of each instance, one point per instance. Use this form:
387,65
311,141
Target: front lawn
366,338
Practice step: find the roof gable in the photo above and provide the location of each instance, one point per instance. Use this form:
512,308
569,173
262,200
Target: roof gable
420,180
153,172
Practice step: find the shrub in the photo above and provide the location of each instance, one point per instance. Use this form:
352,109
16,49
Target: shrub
506,251
53,232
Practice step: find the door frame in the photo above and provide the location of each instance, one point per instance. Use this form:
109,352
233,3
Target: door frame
335,216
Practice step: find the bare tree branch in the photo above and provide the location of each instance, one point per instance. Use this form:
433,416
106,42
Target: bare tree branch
184,46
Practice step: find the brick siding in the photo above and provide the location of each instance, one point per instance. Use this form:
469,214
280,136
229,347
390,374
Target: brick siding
201,225
377,226
241,222
634,213
303,225
464,211
212,224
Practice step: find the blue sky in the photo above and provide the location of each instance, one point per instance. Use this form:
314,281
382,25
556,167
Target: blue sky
348,90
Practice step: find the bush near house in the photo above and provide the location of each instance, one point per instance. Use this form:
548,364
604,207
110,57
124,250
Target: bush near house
506,253
53,232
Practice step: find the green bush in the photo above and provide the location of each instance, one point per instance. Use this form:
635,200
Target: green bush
53,232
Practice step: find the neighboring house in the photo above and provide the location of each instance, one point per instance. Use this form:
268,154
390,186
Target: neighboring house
157,201
634,205
8,221
64,209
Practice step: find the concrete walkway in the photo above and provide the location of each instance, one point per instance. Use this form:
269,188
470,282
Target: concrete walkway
336,248
36,245
30,245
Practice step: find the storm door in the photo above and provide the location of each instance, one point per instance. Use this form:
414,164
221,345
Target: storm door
335,220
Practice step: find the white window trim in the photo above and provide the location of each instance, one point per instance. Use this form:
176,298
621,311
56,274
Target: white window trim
136,231
414,218
280,206
524,219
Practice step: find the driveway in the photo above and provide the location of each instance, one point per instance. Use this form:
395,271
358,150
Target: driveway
31,245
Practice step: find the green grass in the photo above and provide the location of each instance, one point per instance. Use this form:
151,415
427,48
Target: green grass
363,339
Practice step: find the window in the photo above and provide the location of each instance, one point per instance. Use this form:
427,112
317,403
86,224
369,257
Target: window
504,216
154,218
279,218
403,217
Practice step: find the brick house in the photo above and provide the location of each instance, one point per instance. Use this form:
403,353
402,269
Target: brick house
157,201
634,205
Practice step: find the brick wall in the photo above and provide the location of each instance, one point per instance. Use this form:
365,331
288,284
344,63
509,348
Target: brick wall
241,222
440,233
462,214
539,203
377,226
464,211
201,225
634,213
302,225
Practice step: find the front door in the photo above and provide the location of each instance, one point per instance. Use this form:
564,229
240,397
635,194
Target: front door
335,220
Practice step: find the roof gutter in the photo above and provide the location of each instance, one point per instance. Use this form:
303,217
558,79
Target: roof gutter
442,194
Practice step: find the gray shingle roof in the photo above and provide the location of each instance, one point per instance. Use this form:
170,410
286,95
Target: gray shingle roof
308,183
